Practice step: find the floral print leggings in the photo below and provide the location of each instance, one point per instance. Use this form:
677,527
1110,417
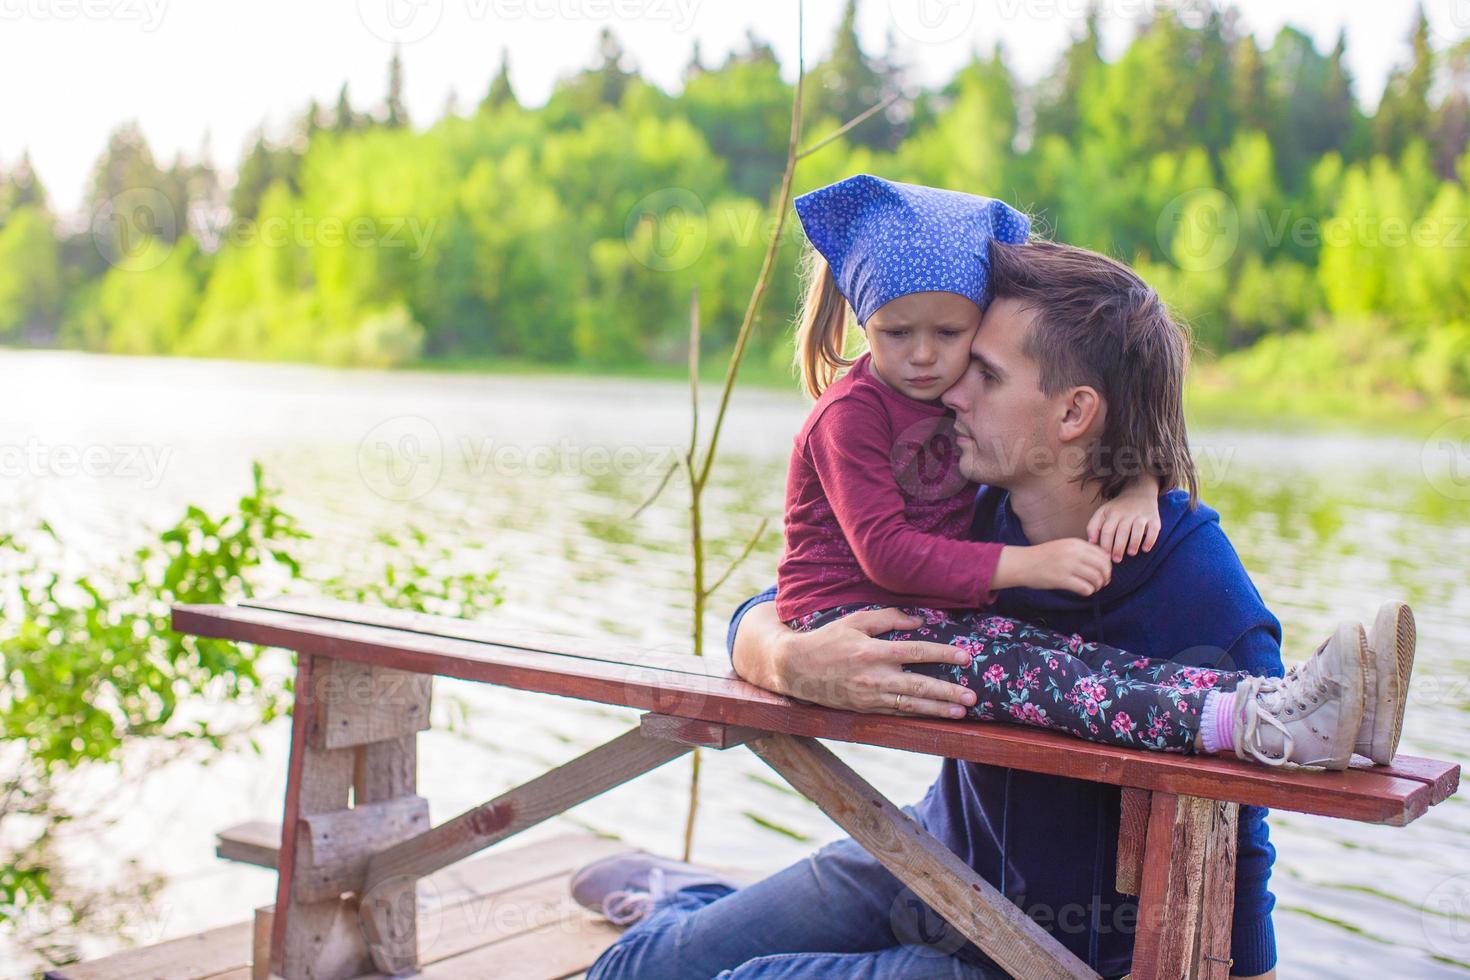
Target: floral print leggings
1030,675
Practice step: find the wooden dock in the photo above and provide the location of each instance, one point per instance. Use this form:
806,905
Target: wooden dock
507,914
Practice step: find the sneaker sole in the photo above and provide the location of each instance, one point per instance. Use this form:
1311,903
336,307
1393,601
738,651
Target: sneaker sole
1350,696
1395,624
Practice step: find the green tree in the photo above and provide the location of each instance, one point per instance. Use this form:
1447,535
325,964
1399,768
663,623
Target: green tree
743,111
1403,112
596,89
344,118
395,113
849,83
1060,94
500,93
30,277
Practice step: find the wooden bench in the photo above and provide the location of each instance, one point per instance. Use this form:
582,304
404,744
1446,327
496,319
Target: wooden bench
356,839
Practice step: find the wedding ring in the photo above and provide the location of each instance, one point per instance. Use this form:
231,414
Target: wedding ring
897,700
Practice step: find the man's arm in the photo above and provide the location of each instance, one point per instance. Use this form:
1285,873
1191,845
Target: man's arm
841,665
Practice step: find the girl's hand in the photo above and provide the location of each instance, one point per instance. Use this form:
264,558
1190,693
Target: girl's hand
1066,563
1127,522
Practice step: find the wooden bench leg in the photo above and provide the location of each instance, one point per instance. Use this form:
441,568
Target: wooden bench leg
353,732
387,773
319,940
1132,838
953,889
1186,896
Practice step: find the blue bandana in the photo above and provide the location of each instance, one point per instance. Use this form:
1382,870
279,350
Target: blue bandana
884,239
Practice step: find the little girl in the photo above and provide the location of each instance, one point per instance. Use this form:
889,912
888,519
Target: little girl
877,514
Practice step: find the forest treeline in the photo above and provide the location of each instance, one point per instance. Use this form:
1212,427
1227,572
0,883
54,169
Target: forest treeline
1307,240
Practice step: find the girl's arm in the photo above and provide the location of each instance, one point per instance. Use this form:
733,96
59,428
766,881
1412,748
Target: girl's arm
1129,521
851,449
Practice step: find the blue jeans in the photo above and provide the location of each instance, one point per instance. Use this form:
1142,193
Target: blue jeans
836,913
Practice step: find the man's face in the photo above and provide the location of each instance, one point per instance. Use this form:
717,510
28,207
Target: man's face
1001,414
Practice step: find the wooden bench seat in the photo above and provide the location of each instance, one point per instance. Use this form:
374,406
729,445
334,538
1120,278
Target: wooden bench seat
356,840
694,687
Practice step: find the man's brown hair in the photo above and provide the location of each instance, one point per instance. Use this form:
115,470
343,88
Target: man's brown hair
1097,323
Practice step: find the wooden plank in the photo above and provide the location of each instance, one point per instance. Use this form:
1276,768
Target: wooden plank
1132,834
200,955
335,847
256,842
480,631
951,887
1369,796
1442,778
1217,889
459,902
591,774
691,731
260,942
559,949
364,703
1187,892
385,770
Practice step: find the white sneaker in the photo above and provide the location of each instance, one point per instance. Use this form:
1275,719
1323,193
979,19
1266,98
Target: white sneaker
628,886
1390,662
1310,717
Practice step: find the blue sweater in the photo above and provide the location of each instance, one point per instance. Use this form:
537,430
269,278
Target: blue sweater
1049,843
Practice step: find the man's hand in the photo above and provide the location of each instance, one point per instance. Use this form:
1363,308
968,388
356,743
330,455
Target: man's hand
1066,563
841,665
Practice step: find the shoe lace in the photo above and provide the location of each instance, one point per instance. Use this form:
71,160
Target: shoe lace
626,906
1261,693
1303,680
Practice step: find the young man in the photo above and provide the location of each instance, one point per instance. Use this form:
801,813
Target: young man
1076,380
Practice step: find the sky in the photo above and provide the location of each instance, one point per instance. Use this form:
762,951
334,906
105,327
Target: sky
191,71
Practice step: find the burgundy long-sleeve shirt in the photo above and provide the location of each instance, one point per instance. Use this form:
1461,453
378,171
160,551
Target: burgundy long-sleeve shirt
876,508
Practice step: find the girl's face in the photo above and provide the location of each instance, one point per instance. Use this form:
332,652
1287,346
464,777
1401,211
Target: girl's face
921,342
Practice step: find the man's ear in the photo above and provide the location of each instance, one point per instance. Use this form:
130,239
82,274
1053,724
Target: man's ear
1083,411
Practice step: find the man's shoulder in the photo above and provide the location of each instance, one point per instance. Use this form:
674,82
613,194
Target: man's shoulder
1193,539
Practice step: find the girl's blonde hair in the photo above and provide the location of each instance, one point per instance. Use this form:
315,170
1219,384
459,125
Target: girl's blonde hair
821,333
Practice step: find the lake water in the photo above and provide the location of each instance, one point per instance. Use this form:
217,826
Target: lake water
539,477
